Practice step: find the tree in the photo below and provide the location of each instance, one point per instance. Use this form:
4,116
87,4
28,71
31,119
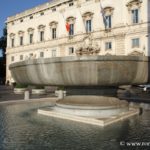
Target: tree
3,42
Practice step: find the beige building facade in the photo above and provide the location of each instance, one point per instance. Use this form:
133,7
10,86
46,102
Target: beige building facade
58,28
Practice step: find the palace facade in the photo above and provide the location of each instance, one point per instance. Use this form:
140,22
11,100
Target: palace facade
59,27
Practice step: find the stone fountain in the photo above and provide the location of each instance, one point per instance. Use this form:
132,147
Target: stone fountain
91,82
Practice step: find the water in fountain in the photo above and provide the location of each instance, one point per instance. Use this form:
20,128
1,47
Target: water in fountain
22,128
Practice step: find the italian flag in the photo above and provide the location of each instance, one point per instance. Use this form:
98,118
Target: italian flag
67,27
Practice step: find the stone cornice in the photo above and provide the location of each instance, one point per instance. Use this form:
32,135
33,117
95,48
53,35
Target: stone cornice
34,10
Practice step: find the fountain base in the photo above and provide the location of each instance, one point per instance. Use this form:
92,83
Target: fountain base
89,120
91,106
95,110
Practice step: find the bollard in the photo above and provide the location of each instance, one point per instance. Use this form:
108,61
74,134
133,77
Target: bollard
60,94
26,95
56,93
65,93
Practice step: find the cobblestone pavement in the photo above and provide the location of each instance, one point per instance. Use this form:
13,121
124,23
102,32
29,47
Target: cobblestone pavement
7,94
135,94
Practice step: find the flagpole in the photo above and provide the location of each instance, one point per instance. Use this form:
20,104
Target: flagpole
103,14
66,24
81,16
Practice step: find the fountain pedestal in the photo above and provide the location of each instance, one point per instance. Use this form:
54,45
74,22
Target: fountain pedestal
91,106
97,102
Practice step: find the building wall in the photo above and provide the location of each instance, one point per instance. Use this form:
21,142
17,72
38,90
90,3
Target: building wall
120,35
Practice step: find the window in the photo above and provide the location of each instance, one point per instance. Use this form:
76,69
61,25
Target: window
41,36
107,14
53,33
41,29
31,38
53,53
31,17
30,35
21,20
21,57
12,58
41,54
71,31
134,7
136,43
70,21
88,26
42,13
87,16
71,50
108,46
53,28
12,42
30,55
21,40
53,9
70,4
108,21
135,16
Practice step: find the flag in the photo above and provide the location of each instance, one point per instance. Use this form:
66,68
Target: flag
103,15
67,27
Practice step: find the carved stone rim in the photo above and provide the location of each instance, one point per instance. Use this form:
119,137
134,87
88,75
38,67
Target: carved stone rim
79,58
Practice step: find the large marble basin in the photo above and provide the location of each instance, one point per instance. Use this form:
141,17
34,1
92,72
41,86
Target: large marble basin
82,71
86,76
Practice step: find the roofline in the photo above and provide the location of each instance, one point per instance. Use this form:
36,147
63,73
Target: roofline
36,9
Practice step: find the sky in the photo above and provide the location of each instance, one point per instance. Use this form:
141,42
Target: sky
12,7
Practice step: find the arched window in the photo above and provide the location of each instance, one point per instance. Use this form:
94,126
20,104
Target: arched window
41,29
12,39
71,22
31,33
21,37
108,12
53,27
87,17
134,10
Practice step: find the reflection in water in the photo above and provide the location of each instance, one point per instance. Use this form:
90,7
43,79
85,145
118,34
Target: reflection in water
22,128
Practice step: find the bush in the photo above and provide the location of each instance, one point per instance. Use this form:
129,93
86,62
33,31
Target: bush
61,88
21,85
39,87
